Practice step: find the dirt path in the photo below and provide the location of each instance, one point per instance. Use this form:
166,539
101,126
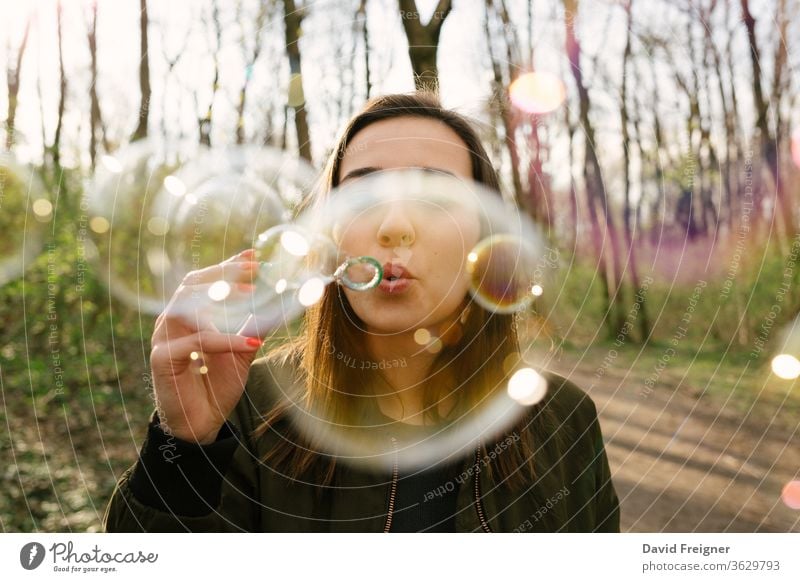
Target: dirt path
682,464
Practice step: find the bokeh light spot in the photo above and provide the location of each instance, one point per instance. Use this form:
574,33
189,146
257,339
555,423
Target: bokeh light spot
99,224
158,226
219,290
786,366
539,92
791,494
112,164
42,208
174,186
311,291
796,147
295,243
422,336
527,386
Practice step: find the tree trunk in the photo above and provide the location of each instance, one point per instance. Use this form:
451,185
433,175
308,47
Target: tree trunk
500,102
423,41
204,124
96,128
62,88
12,77
626,148
768,142
144,74
361,17
595,189
250,60
292,19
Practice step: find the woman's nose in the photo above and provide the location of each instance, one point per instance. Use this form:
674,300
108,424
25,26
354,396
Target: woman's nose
396,228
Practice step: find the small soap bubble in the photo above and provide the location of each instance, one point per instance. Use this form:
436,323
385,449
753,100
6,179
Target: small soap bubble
500,269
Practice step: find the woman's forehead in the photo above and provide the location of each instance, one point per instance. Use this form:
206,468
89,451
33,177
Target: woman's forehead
407,142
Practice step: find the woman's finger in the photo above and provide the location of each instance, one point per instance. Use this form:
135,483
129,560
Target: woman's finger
181,349
232,271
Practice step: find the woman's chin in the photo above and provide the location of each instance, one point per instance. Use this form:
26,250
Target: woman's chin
393,326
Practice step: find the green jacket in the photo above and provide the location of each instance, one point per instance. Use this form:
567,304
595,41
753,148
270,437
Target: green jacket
573,491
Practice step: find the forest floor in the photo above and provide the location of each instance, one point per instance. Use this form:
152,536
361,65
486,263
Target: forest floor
702,450
707,449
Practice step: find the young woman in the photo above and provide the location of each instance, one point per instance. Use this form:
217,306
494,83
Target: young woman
222,454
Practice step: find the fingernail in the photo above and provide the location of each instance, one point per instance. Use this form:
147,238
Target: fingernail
253,342
247,253
245,287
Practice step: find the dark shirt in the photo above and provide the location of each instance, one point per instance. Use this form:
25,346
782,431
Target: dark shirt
426,498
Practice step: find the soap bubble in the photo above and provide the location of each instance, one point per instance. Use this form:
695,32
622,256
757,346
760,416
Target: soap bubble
295,266
126,241
459,266
157,216
24,215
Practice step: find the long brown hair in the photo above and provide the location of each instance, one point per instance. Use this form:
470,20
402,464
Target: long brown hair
469,368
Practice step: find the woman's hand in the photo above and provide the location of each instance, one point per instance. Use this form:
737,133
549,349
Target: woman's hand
199,373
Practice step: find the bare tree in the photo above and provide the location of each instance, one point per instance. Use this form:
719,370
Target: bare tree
597,202
633,268
97,129
171,59
423,40
767,139
144,74
205,122
13,74
62,87
250,56
361,20
292,19
501,107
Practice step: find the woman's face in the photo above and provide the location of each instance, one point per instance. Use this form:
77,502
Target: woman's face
423,248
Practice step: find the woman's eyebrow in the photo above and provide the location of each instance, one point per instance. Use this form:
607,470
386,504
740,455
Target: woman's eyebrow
435,170
358,172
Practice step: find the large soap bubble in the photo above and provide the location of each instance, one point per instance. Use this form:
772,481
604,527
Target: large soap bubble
126,240
24,215
458,267
156,217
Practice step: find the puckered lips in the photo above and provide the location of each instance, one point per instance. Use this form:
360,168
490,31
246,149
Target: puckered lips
396,279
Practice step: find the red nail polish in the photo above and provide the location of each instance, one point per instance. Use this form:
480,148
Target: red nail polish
254,342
